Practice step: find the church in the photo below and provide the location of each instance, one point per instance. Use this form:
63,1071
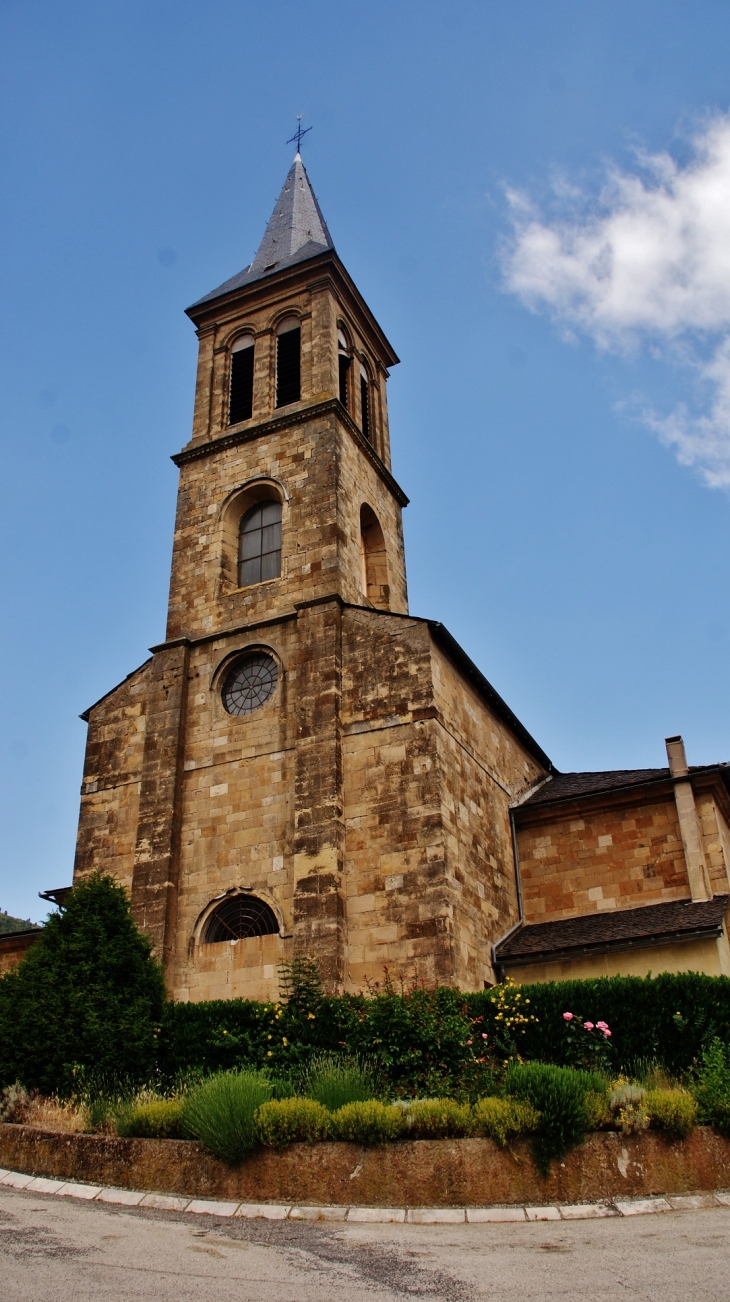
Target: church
305,767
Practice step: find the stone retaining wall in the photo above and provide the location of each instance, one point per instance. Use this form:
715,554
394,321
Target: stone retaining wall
425,1173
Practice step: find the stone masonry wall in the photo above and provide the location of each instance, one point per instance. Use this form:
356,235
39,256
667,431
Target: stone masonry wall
110,789
618,856
716,842
397,900
483,768
325,478
322,303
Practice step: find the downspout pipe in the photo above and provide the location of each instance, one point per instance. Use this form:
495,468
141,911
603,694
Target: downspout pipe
498,968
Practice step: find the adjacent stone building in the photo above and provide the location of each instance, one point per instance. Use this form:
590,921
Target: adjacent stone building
302,766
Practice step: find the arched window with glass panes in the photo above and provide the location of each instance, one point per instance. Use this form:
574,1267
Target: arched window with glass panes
259,544
240,390
288,361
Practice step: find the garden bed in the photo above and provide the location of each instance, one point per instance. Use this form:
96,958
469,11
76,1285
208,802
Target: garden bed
430,1173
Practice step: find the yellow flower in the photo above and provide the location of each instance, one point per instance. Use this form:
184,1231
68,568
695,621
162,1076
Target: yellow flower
310,1017
284,1040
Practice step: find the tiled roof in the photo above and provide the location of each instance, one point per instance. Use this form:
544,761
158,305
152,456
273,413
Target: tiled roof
620,928
296,231
571,786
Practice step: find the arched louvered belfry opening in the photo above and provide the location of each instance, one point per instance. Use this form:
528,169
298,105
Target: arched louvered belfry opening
288,361
240,390
344,361
240,917
366,415
374,559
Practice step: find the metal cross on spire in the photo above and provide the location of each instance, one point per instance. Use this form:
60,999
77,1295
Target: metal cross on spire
298,133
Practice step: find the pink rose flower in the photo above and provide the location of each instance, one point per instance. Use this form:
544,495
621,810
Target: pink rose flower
607,1033
588,1026
567,1017
484,1035
602,1026
468,1041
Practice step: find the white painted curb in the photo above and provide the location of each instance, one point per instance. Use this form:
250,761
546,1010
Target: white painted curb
362,1215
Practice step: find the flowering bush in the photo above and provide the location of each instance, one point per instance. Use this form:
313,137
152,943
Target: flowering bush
511,1020
627,1103
588,1044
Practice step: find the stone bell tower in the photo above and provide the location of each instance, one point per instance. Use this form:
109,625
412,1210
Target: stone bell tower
289,771
291,402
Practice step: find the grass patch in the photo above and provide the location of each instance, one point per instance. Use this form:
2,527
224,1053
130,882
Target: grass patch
335,1079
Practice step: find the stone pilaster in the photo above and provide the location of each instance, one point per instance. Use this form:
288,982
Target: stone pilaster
156,853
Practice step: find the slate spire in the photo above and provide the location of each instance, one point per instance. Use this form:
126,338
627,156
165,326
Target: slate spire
295,223
296,231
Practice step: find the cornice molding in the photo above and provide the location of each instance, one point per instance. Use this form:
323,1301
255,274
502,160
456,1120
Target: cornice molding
332,406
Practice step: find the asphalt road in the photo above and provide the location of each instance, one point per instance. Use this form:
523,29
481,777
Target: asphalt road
58,1250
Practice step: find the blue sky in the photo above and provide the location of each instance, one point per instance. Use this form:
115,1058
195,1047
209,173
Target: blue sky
474,161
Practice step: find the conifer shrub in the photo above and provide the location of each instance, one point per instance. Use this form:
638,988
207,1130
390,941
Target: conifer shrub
369,1122
219,1112
86,1000
158,1119
673,1111
504,1119
292,1121
559,1095
436,1119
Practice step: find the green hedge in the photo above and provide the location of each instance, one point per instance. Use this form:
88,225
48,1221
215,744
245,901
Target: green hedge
420,1038
668,1018
87,1002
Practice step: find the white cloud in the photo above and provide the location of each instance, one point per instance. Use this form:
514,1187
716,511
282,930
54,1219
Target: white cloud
646,262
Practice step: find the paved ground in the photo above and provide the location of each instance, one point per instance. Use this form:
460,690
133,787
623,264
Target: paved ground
59,1250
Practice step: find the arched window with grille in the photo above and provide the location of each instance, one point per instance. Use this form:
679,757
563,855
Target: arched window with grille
365,415
239,917
259,544
374,559
344,361
240,393
288,361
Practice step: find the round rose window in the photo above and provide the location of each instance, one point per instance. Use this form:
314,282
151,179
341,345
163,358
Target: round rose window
250,683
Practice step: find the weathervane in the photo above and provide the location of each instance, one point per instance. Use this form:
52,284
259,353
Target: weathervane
298,133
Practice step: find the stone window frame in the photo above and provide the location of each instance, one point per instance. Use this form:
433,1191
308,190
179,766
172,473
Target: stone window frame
247,332
234,506
287,314
222,669
373,557
201,922
348,351
366,377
